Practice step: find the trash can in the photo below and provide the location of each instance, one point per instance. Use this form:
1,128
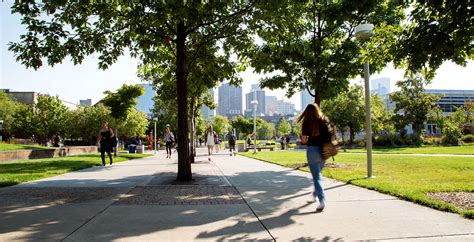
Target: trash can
140,149
240,147
132,149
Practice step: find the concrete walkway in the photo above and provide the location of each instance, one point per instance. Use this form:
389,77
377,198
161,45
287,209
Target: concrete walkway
231,198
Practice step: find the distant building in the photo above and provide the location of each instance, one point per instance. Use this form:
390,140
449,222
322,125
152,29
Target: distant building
229,101
86,102
306,98
30,98
270,104
380,86
145,101
206,112
256,94
451,99
285,108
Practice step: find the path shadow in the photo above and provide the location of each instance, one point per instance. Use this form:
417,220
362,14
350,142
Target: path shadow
53,213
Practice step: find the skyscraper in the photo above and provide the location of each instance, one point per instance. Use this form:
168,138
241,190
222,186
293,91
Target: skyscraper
306,98
381,86
270,104
230,100
206,112
260,95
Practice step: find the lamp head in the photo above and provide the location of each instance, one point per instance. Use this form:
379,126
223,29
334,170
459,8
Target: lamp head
364,31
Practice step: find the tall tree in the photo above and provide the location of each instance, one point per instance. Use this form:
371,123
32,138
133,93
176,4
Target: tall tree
284,127
378,114
436,31
412,104
86,122
266,131
135,124
147,28
346,110
121,102
220,124
8,107
311,44
50,117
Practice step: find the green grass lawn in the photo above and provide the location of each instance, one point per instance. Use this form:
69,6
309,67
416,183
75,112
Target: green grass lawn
5,146
407,177
454,150
15,172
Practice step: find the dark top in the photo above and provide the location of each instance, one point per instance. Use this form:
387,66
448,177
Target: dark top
321,138
105,139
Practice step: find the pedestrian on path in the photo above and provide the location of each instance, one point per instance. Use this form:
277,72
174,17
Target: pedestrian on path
210,140
232,139
169,139
314,133
106,139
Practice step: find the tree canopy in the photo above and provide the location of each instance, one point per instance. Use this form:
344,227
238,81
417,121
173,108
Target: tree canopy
311,45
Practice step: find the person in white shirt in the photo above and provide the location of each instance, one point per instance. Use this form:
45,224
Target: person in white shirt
169,139
210,140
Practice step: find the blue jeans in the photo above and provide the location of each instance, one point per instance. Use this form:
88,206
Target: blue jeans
316,165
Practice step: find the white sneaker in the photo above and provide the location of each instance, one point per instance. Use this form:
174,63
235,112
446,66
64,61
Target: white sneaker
311,198
321,206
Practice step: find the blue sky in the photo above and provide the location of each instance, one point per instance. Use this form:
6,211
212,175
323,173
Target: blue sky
84,81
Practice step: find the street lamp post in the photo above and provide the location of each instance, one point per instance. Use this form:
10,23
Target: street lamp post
154,132
254,103
364,32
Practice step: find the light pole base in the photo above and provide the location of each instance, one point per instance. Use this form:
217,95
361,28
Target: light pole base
369,177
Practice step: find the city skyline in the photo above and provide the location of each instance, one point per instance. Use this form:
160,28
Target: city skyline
79,82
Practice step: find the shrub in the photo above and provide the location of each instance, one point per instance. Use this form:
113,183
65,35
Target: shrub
383,140
431,140
468,138
451,134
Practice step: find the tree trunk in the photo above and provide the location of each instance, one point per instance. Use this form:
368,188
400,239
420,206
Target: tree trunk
116,127
193,130
191,126
351,135
317,96
184,165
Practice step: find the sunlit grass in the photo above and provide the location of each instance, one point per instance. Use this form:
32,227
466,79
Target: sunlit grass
454,150
5,146
15,172
407,177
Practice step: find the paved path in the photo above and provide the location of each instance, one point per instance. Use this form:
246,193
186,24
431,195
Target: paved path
231,198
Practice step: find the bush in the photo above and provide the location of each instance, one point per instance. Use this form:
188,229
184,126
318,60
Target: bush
451,134
468,138
431,140
383,140
467,129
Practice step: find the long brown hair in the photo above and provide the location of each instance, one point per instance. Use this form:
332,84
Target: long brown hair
310,119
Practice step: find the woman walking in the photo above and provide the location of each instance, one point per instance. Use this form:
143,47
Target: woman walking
169,139
210,140
106,139
314,134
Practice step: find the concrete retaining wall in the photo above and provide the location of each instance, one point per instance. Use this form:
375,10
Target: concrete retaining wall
10,155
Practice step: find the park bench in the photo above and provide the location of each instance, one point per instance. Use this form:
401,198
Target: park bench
260,148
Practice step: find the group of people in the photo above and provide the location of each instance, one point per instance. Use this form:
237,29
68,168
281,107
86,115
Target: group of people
314,133
211,139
